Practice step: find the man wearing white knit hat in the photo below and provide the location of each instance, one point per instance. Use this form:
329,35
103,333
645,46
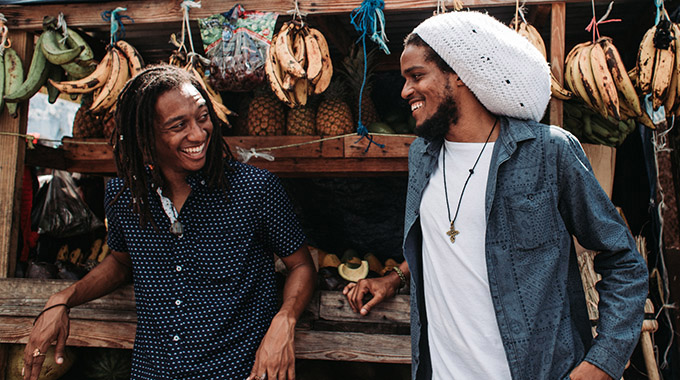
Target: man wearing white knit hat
494,198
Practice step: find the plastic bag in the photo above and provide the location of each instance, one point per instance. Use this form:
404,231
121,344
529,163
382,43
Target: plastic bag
236,43
62,212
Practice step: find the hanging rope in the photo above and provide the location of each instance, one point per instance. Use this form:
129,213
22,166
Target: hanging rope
186,27
369,19
117,27
603,20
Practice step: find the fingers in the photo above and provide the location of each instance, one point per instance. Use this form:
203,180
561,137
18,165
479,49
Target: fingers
60,349
369,305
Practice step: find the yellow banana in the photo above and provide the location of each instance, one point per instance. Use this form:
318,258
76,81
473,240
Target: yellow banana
14,77
664,65
91,82
572,78
645,61
587,77
36,77
284,56
215,99
558,91
314,61
628,93
108,95
273,71
300,91
56,52
532,34
135,61
321,81
603,80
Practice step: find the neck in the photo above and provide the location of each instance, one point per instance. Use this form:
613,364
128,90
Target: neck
474,124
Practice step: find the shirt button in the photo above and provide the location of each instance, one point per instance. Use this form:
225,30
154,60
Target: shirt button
178,302
178,268
175,338
203,182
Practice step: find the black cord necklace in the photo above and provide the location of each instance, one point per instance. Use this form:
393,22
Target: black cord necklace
452,232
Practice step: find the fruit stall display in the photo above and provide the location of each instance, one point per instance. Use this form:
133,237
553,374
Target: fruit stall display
304,113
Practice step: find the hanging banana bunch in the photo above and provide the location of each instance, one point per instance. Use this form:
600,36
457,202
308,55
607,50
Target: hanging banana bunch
197,69
658,67
298,63
529,32
591,127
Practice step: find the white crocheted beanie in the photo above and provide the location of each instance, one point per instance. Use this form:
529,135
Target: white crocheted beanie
507,74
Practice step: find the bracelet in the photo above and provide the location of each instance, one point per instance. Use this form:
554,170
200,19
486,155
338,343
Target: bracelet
68,309
400,273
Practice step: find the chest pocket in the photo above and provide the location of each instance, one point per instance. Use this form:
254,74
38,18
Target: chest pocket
532,219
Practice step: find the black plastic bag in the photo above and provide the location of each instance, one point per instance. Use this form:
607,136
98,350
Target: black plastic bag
60,211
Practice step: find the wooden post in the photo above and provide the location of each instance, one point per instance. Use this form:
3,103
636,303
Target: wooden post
12,166
557,33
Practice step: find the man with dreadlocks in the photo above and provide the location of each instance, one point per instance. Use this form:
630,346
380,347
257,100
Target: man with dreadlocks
195,231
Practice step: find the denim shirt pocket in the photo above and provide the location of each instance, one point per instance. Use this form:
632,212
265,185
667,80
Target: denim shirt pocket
532,219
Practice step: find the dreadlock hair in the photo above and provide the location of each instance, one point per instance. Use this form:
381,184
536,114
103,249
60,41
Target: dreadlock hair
133,138
430,54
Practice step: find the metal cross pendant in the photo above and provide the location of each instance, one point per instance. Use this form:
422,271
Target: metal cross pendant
452,233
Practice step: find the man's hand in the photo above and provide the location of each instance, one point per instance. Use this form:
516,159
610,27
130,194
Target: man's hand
51,325
588,371
380,288
275,359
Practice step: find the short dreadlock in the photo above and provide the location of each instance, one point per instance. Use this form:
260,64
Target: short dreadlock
133,138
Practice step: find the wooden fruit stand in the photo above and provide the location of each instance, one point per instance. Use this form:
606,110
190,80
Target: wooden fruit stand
110,321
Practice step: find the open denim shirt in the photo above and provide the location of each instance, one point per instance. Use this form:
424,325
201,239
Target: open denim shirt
541,190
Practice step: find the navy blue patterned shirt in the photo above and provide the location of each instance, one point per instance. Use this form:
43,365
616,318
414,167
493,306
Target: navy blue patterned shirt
205,299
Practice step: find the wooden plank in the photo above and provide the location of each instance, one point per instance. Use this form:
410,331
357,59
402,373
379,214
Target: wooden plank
394,146
29,17
324,167
11,168
322,345
557,38
334,307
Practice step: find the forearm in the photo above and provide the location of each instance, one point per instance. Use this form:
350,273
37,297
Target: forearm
103,279
298,290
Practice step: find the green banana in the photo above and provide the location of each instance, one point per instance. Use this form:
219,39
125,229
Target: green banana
14,77
36,77
55,51
573,110
77,71
87,55
56,73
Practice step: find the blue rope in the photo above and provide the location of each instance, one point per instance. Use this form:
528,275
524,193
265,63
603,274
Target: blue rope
116,20
659,7
365,20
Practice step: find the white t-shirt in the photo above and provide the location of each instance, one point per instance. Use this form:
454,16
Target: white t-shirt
463,334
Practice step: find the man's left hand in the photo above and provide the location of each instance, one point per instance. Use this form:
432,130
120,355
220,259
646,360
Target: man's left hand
588,371
275,359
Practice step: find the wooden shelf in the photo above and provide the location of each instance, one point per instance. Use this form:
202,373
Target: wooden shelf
294,156
111,322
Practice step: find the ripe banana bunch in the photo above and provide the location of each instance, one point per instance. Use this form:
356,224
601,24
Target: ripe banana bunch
120,63
656,64
197,70
529,32
595,73
591,127
298,64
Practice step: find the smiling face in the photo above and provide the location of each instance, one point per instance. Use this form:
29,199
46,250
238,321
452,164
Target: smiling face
428,90
182,132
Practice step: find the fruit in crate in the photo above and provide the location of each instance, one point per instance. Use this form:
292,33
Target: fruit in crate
334,116
301,121
590,127
266,114
352,73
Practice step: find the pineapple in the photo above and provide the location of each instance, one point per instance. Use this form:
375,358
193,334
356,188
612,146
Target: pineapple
301,121
266,114
352,72
334,117
85,123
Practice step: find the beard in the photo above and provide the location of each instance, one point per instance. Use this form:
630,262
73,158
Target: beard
437,125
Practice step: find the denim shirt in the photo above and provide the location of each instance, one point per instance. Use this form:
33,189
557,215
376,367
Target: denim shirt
540,191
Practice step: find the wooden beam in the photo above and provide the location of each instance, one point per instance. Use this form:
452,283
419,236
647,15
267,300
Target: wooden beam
557,37
347,346
11,167
29,17
334,307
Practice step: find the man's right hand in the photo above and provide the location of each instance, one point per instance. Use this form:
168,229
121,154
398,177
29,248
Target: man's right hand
52,325
380,288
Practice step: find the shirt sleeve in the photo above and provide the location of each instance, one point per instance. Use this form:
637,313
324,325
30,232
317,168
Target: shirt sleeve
590,216
115,237
282,233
